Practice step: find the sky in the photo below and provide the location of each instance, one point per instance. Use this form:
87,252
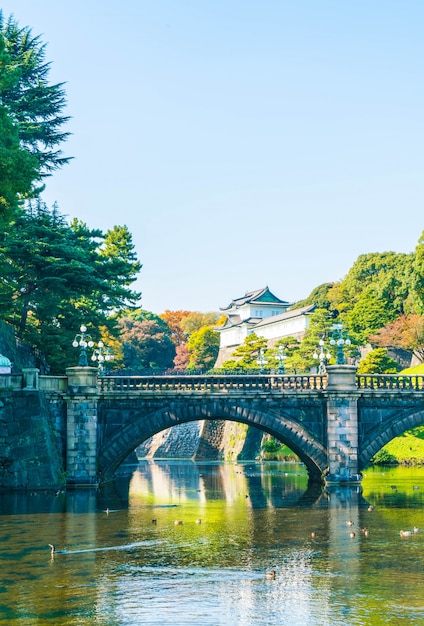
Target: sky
243,143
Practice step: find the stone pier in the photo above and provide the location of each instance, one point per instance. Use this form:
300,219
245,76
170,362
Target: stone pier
342,421
81,431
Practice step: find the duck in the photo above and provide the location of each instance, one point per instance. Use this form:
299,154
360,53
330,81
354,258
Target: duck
178,522
270,575
313,535
405,533
198,521
416,529
52,548
370,508
349,523
352,534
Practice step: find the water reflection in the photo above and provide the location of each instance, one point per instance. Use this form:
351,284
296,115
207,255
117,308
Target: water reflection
273,485
122,560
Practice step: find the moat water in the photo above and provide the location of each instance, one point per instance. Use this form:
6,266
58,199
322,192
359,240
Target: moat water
121,559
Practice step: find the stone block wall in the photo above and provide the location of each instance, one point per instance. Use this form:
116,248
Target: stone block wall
29,455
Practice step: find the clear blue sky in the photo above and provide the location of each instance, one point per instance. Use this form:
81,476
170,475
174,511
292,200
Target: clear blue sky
243,143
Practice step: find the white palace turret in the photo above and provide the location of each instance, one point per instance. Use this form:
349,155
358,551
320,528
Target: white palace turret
259,312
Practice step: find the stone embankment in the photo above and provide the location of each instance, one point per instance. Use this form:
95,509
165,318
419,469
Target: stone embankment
208,440
29,450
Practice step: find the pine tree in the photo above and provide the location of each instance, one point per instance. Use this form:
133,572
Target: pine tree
35,106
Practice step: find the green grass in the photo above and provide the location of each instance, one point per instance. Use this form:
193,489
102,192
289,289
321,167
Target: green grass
407,449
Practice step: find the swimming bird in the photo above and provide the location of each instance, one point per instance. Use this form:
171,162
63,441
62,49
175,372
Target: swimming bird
349,523
178,522
154,521
405,533
270,575
416,529
313,535
198,521
352,534
370,508
53,548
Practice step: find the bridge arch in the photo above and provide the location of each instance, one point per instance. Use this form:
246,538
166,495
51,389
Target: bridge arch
381,435
119,444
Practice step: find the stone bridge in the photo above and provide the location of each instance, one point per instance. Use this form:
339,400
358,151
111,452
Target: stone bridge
335,423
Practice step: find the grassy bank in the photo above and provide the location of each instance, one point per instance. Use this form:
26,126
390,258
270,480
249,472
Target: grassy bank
407,449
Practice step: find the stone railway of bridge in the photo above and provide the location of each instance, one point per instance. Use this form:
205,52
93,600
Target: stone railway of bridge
334,423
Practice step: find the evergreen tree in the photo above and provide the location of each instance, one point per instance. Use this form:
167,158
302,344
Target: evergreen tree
55,276
34,105
378,362
18,168
246,356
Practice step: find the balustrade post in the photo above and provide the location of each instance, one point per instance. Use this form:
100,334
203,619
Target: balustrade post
30,375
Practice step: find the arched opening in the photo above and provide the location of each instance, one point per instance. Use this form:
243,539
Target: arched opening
117,446
378,440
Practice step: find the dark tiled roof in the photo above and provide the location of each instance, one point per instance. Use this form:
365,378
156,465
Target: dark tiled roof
264,296
235,320
305,310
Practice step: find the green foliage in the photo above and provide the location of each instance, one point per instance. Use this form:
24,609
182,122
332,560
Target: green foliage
320,322
383,457
34,105
55,276
18,168
290,347
418,277
318,296
378,362
270,445
246,355
375,291
203,347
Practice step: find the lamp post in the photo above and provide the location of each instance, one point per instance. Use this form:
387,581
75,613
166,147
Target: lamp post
281,356
323,356
339,338
83,341
261,360
101,354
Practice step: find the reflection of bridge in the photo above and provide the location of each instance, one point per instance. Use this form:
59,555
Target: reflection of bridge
333,423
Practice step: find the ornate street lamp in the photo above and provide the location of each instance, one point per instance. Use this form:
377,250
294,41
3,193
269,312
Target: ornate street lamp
261,360
83,341
339,338
322,355
281,357
102,354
